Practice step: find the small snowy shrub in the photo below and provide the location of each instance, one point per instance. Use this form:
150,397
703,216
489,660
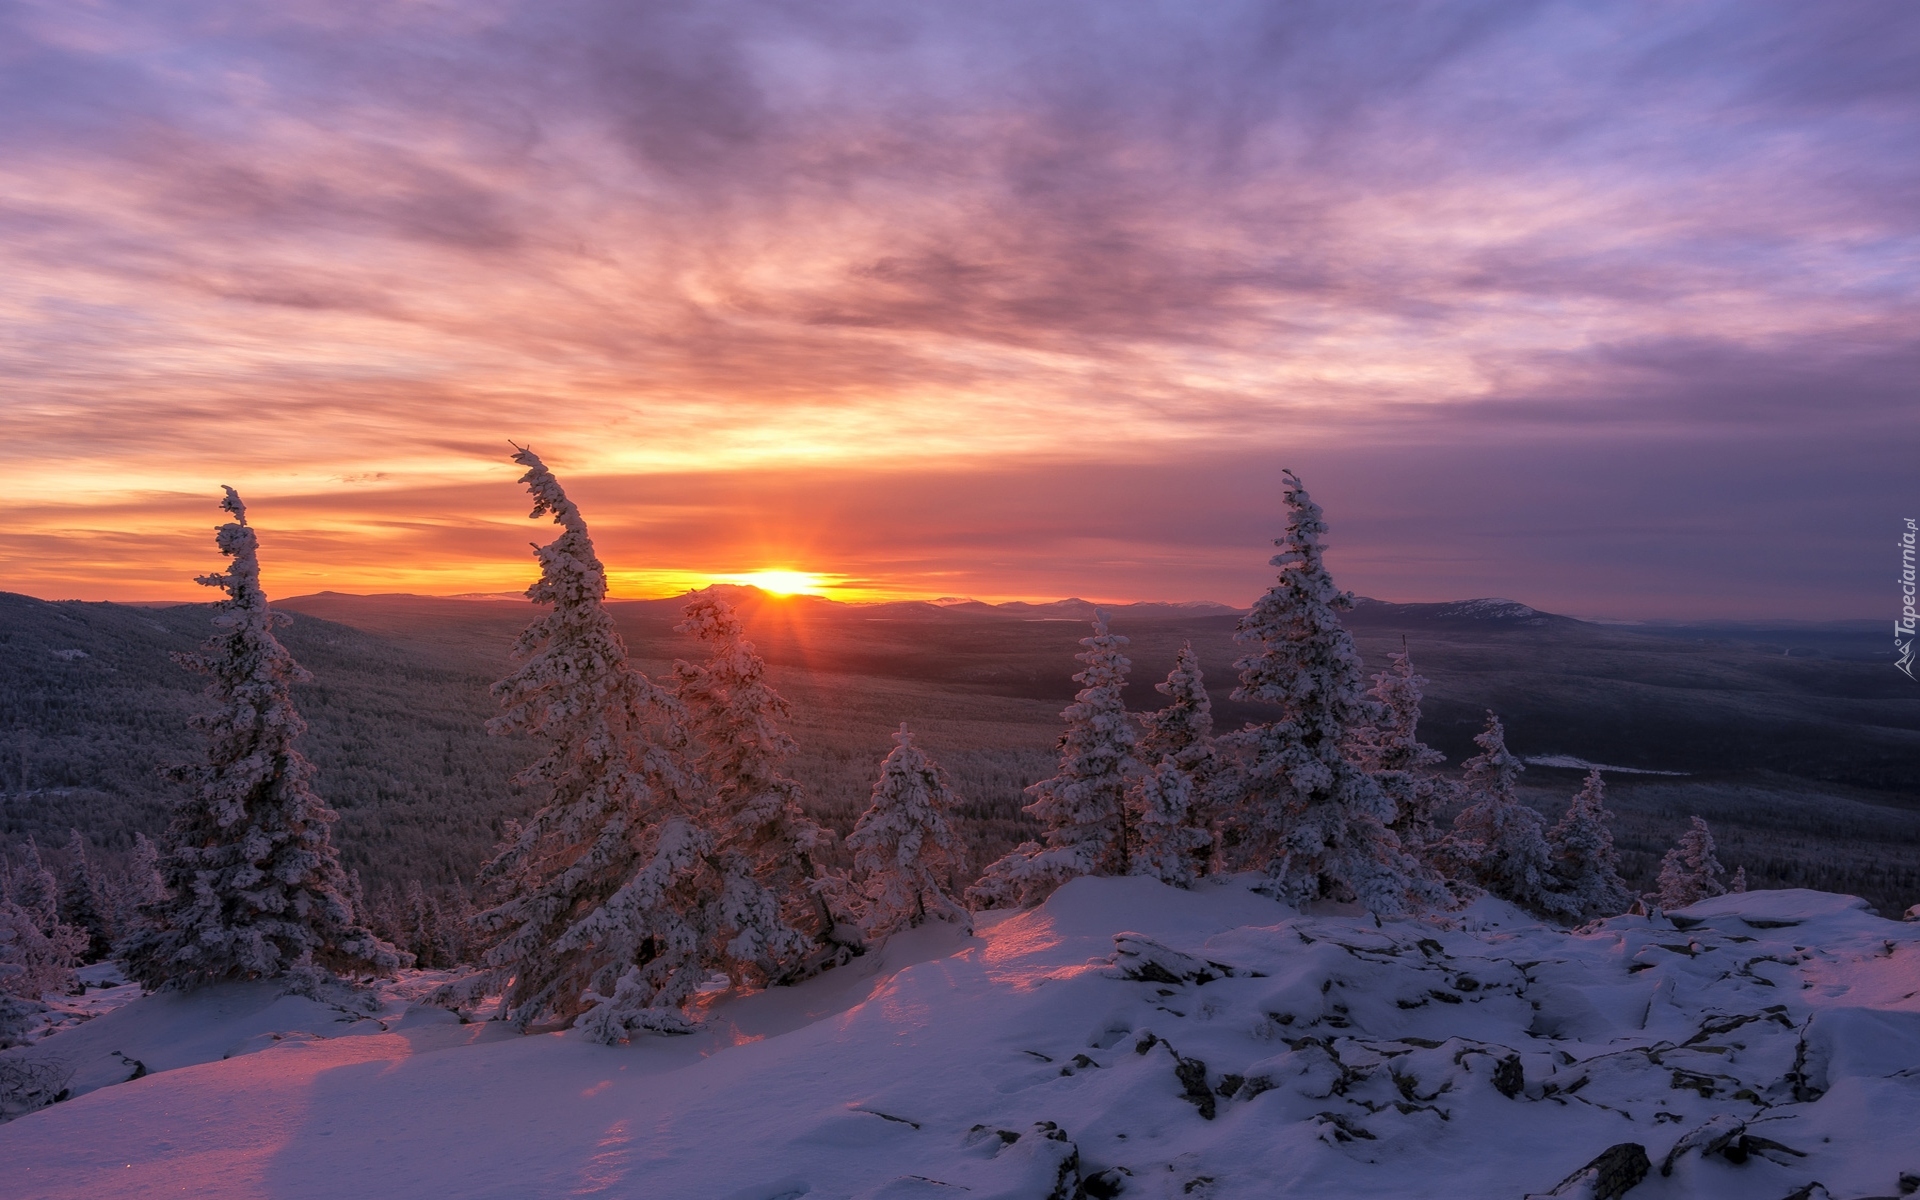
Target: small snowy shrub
1690,872
28,1084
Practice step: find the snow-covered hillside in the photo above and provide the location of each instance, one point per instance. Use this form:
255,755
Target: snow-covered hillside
1125,1038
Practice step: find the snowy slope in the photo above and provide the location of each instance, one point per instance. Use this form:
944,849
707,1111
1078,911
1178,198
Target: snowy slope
1771,1038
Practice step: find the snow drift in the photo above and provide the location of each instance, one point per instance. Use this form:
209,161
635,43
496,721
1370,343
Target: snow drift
1125,1038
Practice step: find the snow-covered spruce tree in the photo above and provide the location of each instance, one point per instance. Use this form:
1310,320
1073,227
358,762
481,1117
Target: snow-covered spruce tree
751,807
1181,731
33,962
35,889
609,912
1690,872
80,900
254,885
1174,842
36,961
422,935
1498,842
16,1012
904,846
1084,805
1391,751
1584,861
1168,844
457,912
139,886
1299,807
1739,883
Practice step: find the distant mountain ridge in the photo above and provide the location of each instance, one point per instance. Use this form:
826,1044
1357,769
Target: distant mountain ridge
1487,610
1484,610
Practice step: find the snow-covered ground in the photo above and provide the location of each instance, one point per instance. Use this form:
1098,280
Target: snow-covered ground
1752,1045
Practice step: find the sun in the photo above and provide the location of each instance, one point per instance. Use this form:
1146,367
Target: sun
783,582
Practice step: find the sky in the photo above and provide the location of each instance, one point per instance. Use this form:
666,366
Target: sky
1605,307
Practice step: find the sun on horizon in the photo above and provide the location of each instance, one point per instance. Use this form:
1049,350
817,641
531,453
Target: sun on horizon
782,581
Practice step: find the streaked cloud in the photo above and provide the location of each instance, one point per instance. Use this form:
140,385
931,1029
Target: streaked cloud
735,252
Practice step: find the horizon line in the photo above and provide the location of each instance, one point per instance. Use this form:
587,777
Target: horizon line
952,601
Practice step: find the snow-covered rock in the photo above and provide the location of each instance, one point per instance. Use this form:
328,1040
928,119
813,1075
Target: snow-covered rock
1746,1047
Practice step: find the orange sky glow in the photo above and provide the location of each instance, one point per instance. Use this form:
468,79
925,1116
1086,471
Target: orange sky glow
921,305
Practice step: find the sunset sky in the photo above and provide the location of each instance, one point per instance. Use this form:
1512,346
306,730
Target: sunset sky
1612,308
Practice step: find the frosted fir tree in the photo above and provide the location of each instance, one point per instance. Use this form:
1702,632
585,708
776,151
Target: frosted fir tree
140,885
35,889
1584,861
1089,828
1498,842
1739,883
1300,808
16,1012
751,808
33,962
1391,751
81,904
1173,840
904,847
422,928
357,900
1169,845
609,913
254,886
1690,872
1181,731
457,909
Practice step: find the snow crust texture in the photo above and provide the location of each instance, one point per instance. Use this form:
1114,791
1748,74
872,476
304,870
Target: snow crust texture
1124,1038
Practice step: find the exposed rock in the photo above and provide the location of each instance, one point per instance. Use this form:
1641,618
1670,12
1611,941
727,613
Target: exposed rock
1509,1076
1192,1074
1338,1127
1612,1174
1145,960
1104,1185
1728,1137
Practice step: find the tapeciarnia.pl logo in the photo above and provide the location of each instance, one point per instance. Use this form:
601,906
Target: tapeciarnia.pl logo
1903,628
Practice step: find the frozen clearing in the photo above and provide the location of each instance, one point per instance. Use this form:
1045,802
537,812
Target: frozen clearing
1749,1047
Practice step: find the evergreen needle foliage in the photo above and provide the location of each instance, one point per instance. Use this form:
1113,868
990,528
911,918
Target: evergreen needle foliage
253,885
751,807
905,853
1584,860
1498,842
1299,807
1173,842
1691,871
1084,805
601,891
